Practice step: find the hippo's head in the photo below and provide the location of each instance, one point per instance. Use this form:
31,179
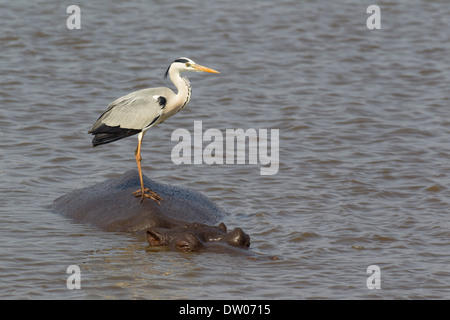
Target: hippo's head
197,236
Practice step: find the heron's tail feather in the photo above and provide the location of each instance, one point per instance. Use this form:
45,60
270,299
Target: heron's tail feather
106,134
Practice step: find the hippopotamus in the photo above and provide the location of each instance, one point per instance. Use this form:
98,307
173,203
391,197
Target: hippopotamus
196,236
185,220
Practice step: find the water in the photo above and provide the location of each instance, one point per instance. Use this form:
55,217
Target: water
364,153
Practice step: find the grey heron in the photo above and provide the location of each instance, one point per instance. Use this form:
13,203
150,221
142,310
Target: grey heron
140,110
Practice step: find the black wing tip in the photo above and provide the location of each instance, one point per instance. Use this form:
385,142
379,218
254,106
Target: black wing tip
105,134
104,138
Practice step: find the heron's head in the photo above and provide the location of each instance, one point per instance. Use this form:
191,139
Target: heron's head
186,64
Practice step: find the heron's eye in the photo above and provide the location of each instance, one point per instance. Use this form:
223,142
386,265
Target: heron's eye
188,64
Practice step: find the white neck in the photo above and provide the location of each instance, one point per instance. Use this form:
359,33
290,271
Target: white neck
183,86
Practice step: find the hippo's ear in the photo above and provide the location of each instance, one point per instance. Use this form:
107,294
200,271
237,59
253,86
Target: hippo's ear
222,226
154,237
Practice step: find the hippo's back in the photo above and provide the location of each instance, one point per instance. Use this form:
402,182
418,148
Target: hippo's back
110,205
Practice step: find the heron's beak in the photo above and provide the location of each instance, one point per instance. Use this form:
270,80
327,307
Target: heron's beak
198,67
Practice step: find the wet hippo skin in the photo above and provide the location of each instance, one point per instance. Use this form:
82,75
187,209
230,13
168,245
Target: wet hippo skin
197,237
185,220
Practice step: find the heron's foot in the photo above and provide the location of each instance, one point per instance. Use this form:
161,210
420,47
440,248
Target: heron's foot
147,193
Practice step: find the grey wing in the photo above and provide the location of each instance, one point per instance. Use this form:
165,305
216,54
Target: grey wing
130,115
136,110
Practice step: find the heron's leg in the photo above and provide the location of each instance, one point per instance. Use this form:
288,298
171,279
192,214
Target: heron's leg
143,192
137,155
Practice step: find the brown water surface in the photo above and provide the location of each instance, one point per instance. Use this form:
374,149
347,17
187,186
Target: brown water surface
363,117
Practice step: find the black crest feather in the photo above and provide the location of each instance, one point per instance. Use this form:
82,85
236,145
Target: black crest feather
182,60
